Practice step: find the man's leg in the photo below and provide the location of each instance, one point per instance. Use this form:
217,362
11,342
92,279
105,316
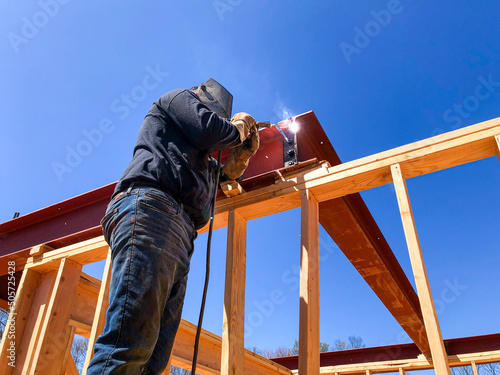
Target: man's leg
150,244
168,328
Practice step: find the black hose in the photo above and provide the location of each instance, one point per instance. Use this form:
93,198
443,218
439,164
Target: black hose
207,271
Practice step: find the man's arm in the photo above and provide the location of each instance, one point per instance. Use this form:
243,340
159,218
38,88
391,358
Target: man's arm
204,128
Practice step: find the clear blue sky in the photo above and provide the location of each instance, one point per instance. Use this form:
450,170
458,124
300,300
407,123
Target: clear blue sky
378,74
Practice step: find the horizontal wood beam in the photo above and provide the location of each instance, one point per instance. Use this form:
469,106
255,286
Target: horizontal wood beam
420,363
85,252
444,151
484,348
209,354
437,153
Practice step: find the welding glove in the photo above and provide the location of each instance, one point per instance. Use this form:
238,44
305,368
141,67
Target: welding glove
239,157
243,122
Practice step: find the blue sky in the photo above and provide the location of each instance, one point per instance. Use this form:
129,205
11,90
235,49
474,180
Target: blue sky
76,80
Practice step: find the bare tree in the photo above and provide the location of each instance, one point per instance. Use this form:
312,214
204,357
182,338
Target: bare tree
355,342
179,371
462,370
4,315
79,350
489,369
340,345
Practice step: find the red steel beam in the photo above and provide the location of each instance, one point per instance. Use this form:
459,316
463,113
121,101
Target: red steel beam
347,220
464,345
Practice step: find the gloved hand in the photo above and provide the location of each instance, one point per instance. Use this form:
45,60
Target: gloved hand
239,157
243,122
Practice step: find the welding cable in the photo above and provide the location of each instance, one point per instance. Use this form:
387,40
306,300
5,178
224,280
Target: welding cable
207,271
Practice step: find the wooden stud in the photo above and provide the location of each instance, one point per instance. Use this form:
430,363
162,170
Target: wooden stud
16,323
438,352
497,141
85,252
70,368
67,353
474,367
55,331
231,188
309,286
100,312
402,371
412,365
31,335
232,355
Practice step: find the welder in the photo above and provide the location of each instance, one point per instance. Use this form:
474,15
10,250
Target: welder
164,196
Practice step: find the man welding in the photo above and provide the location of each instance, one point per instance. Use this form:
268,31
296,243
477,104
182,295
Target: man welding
165,195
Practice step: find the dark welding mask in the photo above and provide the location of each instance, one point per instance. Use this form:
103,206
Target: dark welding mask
216,97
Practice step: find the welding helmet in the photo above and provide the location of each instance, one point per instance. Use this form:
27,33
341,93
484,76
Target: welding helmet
216,97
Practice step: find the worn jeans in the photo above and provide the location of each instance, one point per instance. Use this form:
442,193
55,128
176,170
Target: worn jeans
151,239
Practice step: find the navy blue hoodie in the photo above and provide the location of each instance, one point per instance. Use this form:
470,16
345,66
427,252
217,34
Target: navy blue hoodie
173,151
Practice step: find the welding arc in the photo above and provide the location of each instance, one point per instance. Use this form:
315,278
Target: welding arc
207,271
282,132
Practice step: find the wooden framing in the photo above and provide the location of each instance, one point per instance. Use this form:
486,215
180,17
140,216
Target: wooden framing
474,367
55,333
55,300
209,354
420,273
232,358
19,316
420,363
231,188
309,286
100,312
497,139
441,152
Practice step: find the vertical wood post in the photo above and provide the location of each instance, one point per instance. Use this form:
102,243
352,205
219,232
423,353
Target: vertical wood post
232,356
474,367
16,322
309,286
402,371
438,352
100,312
71,367
35,320
497,141
68,358
55,332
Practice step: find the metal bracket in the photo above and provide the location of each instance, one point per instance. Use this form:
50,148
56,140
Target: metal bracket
290,151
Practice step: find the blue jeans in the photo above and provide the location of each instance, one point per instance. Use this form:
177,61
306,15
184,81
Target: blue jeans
151,239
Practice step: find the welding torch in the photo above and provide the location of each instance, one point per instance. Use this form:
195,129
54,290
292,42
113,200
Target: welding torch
267,124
